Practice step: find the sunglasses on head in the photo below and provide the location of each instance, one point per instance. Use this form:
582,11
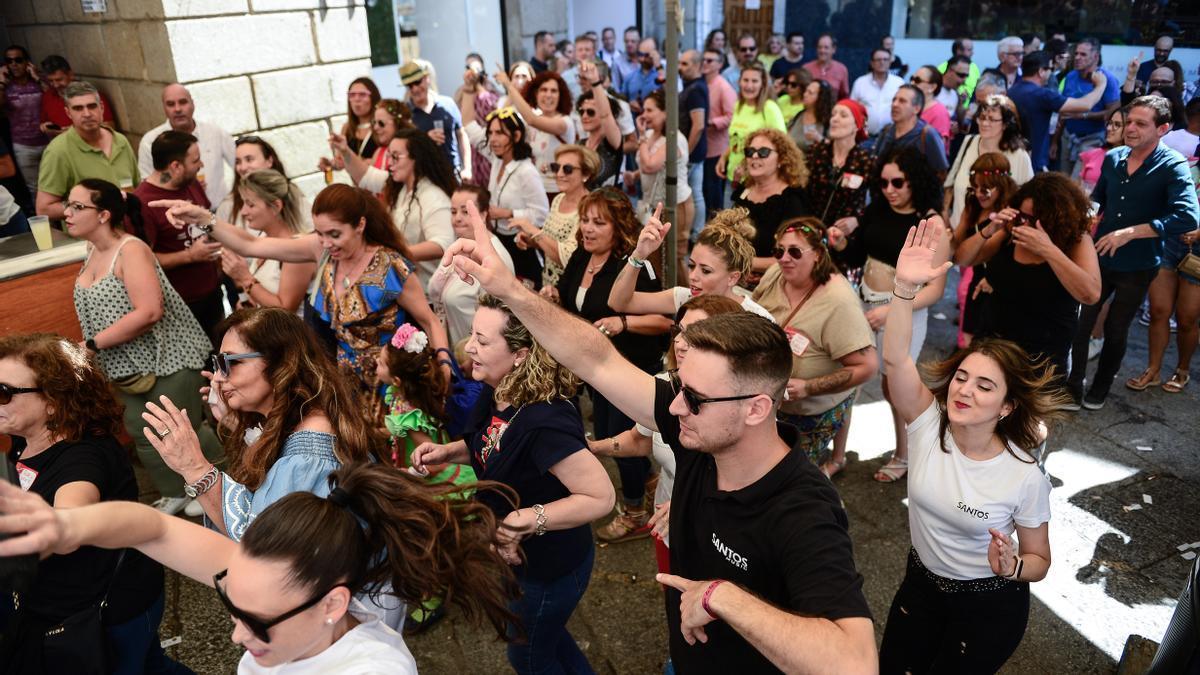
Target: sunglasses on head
757,152
694,401
794,252
896,183
567,169
7,392
248,139
259,627
222,362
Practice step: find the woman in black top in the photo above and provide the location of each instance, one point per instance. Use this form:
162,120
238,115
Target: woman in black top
58,406
598,116
776,174
608,231
1041,264
528,435
906,192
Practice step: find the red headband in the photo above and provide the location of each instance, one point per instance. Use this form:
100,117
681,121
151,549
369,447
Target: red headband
860,117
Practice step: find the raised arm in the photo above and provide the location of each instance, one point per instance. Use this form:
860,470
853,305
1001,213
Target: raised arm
556,125
624,296
574,343
977,245
185,547
1086,102
306,248
915,268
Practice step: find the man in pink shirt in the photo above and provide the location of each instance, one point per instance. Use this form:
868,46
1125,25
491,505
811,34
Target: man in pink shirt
721,99
825,68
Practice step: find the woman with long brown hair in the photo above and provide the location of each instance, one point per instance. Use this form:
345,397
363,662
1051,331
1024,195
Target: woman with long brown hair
389,119
964,602
294,583
991,188
364,285
361,98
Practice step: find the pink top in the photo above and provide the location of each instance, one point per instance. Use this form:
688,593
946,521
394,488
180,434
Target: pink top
1090,162
835,74
935,115
721,101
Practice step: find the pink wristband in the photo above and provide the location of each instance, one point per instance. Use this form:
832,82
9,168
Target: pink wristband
708,594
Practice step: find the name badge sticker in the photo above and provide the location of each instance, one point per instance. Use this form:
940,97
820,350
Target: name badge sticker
797,341
852,181
26,476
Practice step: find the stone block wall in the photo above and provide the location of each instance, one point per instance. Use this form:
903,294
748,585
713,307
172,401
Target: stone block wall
279,68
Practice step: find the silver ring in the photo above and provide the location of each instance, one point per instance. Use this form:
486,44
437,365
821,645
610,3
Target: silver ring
604,329
164,433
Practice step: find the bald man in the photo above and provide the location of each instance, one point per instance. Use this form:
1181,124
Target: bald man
216,145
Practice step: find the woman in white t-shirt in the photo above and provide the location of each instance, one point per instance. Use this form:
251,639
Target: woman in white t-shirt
964,601
290,583
719,262
652,167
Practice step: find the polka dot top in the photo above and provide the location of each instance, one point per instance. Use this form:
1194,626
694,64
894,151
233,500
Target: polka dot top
175,343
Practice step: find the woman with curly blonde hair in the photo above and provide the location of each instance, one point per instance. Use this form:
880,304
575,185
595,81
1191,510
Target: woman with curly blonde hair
776,174
720,260
529,436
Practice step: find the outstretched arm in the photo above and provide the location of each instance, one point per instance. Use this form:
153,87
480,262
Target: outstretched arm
624,297
185,547
574,343
305,248
914,269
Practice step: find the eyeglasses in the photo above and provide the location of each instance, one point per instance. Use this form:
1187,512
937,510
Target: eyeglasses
259,627
567,169
990,120
1020,219
507,112
222,362
77,206
794,252
791,84
758,152
1020,53
7,391
1154,84
747,50
882,59
694,400
643,55
587,112
896,183
379,123
394,157
14,59
917,80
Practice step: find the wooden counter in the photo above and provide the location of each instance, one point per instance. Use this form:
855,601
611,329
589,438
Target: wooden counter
36,286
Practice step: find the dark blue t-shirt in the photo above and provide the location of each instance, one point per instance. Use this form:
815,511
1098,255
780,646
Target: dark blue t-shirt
517,446
450,125
1036,104
694,97
1074,86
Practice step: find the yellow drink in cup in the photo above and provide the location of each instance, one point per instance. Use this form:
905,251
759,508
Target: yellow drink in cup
41,232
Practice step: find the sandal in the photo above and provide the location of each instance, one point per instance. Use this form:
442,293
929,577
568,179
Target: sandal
1143,382
832,467
1177,382
893,471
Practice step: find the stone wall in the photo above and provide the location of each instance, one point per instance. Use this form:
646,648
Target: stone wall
279,68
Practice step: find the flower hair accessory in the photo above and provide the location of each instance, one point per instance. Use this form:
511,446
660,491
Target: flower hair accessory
990,172
411,339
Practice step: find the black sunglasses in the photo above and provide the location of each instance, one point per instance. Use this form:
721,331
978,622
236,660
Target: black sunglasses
694,400
709,59
1022,219
7,391
795,252
897,183
961,74
567,169
791,84
747,49
587,112
643,55
14,59
757,152
222,362
259,627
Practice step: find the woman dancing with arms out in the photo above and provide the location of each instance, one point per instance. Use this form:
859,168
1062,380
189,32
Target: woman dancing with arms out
377,527
964,602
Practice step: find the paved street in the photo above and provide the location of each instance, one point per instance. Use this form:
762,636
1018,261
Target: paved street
1115,571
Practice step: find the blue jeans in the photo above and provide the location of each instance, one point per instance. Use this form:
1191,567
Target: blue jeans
695,178
714,187
543,609
136,647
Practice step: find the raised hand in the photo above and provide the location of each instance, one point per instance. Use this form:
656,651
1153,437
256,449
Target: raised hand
170,432
653,234
475,261
1132,68
34,526
915,266
1034,239
182,213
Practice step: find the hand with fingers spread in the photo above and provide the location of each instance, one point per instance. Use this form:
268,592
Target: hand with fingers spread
660,522
170,432
693,616
33,525
475,261
1001,553
654,232
1034,239
915,266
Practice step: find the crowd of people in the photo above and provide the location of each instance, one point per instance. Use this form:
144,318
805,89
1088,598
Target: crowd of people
392,400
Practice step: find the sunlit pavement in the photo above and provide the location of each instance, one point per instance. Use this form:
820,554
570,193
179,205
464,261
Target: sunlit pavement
1115,571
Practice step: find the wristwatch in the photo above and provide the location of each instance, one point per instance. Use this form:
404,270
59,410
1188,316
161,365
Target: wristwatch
91,346
206,483
207,228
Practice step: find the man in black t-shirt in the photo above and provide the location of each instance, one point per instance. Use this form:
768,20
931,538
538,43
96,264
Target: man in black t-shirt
763,576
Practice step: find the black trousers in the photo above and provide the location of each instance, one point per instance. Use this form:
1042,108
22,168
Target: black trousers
934,631
1127,290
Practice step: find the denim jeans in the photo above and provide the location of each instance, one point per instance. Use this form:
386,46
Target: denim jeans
543,609
136,646
714,187
695,177
1127,290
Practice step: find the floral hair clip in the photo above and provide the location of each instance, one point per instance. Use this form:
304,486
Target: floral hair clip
807,230
990,172
410,339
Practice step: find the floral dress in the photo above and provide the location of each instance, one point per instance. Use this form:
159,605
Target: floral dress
366,316
401,418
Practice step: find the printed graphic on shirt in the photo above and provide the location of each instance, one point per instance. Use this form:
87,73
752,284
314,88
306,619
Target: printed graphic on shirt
731,556
491,439
972,511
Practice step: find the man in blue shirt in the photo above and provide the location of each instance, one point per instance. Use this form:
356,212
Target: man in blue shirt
433,114
637,86
908,129
1037,103
1146,194
1084,131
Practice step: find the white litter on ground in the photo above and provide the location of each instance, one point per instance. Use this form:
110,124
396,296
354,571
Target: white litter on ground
1148,499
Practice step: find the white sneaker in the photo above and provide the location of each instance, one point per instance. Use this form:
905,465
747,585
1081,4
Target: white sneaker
1094,347
193,509
170,505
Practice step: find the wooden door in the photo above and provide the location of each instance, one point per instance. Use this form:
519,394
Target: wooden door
756,22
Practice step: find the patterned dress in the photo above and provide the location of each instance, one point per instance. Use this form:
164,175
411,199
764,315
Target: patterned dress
401,419
366,316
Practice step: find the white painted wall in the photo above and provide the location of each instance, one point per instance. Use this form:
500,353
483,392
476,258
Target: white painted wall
585,15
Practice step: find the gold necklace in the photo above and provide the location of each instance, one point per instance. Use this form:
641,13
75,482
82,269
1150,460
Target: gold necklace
595,266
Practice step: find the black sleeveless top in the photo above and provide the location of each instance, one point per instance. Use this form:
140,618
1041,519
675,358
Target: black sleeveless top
881,234
1030,306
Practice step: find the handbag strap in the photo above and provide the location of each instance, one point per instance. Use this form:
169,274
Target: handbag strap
108,588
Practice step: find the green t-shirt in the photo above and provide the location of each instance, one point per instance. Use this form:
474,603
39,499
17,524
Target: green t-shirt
68,159
746,120
789,109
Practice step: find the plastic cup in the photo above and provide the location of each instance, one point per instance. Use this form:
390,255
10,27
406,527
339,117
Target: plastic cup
40,225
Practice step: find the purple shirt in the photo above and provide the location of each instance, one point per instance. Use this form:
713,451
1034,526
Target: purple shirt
23,103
